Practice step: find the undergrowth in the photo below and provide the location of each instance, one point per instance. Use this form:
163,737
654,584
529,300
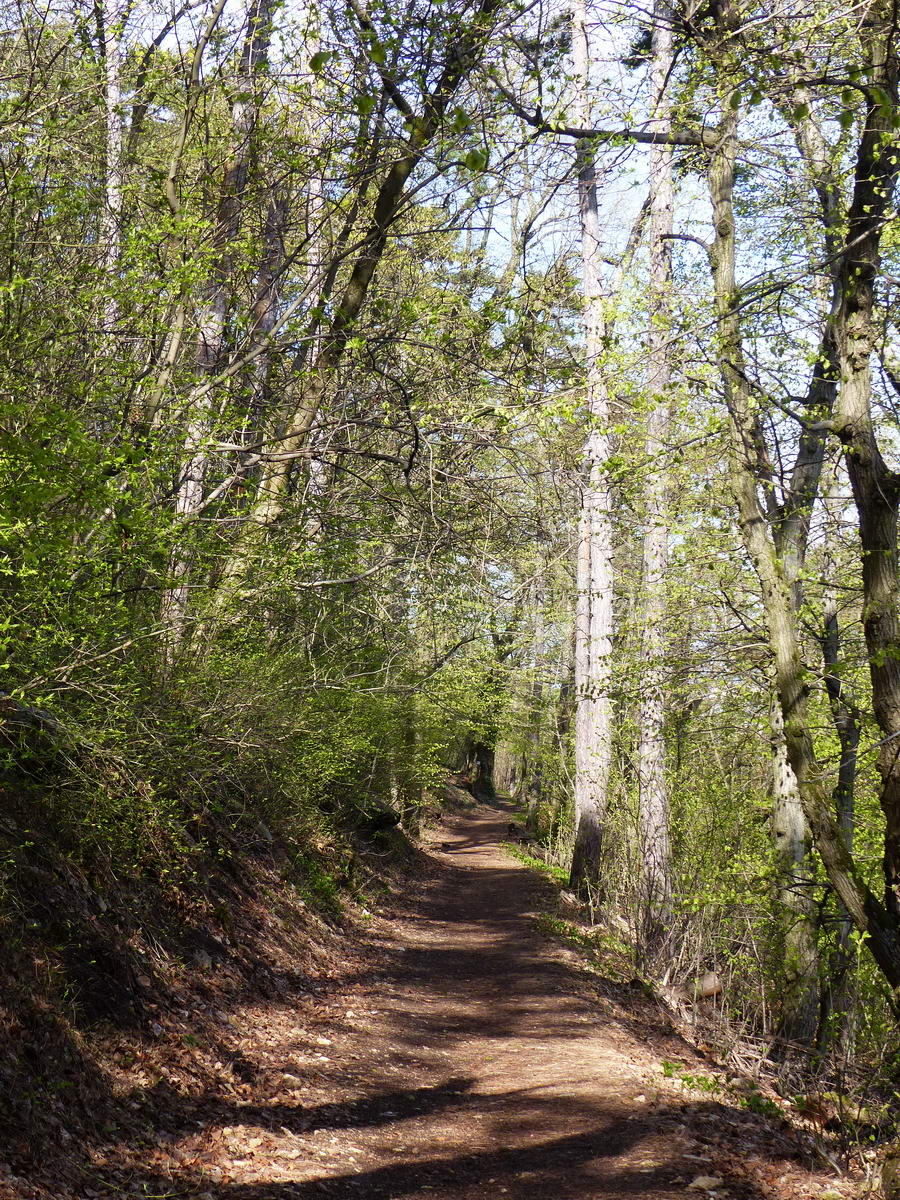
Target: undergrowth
557,874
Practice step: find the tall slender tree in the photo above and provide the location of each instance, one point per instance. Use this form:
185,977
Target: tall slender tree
871,917
653,799
594,574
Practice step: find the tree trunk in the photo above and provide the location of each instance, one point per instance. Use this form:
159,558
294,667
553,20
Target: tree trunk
836,1002
790,838
533,764
653,788
478,769
265,308
111,18
407,781
869,916
876,488
214,310
594,604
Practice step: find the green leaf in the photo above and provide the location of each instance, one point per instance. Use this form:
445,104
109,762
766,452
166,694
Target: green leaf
460,120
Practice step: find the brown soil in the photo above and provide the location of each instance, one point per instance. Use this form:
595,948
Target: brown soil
450,1050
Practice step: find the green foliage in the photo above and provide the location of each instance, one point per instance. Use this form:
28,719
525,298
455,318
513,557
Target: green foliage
277,560
751,1099
557,874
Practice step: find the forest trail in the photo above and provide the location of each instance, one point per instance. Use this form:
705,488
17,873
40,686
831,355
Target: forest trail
460,1055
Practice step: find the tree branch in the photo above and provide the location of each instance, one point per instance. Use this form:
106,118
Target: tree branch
645,137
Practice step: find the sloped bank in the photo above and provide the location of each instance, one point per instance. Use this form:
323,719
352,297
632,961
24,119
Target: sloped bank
120,990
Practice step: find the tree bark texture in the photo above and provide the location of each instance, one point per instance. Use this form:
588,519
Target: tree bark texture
653,788
214,307
594,618
790,839
868,914
876,488
836,1002
111,17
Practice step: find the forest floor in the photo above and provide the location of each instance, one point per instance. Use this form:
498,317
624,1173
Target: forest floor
449,1049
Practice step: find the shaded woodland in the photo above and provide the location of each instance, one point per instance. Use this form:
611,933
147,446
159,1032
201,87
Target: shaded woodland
494,397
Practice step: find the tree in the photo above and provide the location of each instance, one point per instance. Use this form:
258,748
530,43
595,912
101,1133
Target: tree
873,919
594,582
656,884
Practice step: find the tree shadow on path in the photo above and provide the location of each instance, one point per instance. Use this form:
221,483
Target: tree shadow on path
579,1166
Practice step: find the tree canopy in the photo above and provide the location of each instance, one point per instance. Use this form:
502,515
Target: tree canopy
481,389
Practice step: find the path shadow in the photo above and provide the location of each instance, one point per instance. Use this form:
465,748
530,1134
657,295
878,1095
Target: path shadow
184,1114
576,1166
467,965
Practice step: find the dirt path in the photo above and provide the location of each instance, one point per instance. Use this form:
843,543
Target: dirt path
464,1055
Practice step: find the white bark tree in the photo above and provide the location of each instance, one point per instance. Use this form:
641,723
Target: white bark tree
791,842
594,605
111,17
214,304
653,801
